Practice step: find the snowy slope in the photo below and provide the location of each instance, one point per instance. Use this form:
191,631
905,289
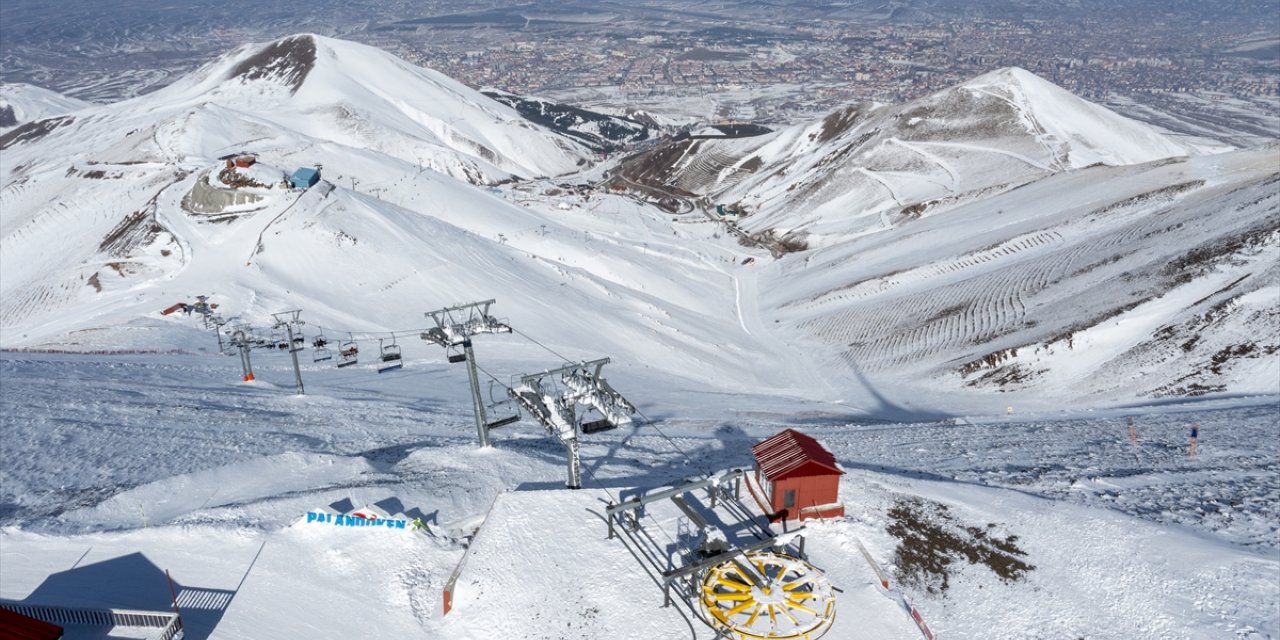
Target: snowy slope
1161,281
1014,247
1001,235
866,167
168,462
288,95
21,103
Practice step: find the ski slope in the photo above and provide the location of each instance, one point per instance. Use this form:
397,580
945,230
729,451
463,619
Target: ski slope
131,465
996,278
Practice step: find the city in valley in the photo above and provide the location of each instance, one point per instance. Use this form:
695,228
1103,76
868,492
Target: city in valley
1201,68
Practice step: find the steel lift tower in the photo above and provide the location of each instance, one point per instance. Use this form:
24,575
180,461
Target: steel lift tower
242,341
289,321
555,408
454,328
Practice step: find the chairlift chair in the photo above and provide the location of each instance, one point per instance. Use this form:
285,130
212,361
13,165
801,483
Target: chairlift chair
597,426
278,340
320,352
348,352
455,355
504,407
390,358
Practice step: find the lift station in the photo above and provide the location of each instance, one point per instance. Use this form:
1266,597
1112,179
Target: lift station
735,574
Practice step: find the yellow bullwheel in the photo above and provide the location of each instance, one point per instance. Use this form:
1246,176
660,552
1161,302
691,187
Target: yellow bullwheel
768,596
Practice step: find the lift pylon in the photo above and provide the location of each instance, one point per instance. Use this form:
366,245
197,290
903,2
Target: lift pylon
242,341
454,327
292,323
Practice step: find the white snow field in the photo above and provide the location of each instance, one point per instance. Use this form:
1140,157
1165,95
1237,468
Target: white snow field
119,467
997,278
21,102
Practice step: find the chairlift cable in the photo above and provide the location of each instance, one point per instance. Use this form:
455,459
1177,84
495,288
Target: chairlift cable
652,423
549,349
647,420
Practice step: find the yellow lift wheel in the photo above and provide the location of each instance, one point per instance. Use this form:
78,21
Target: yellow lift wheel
777,597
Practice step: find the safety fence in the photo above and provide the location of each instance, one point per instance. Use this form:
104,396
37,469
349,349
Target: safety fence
168,625
901,597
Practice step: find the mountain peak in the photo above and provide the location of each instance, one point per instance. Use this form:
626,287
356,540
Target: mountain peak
1080,132
286,61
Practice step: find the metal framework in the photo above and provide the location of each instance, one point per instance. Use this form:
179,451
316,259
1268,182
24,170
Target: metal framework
555,407
454,327
289,320
747,587
242,340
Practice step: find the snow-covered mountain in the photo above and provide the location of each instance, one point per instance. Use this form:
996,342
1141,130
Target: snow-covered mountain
1005,234
1001,244
321,92
864,167
21,103
599,131
956,244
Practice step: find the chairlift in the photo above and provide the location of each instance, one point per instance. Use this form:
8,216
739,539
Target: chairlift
348,352
320,352
505,407
597,426
455,354
278,340
390,357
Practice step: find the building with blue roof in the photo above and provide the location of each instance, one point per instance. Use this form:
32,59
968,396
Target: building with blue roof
304,177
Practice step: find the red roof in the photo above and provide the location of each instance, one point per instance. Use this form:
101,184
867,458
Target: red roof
19,627
787,452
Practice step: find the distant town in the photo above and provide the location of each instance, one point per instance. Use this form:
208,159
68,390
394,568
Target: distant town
767,62
839,61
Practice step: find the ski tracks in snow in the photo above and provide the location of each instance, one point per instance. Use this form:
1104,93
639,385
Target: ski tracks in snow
955,178
1057,157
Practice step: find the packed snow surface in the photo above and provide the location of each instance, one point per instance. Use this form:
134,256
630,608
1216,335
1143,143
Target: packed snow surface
125,466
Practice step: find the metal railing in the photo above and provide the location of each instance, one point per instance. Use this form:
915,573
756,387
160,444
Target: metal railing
169,624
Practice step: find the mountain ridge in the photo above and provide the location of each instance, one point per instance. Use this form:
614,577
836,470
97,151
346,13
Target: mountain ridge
942,257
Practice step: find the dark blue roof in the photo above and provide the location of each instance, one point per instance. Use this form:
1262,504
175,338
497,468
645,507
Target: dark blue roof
306,173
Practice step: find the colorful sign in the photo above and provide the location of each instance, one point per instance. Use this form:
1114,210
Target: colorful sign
355,519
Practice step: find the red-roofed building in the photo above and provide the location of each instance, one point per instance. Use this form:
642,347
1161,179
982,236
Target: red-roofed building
800,478
15,626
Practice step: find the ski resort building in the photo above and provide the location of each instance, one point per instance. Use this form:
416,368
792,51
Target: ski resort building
799,477
304,177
